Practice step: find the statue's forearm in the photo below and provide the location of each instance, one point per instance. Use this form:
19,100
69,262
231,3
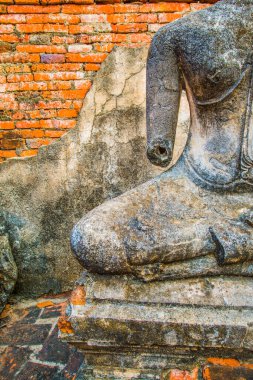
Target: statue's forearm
163,96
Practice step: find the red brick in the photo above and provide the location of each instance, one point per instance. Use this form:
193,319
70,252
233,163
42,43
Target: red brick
93,18
79,48
28,124
78,296
82,84
168,17
132,28
9,87
8,153
107,47
7,2
12,19
109,38
92,67
68,94
9,38
18,57
29,153
77,104
223,372
88,58
18,115
23,9
54,134
3,87
26,2
2,79
26,105
41,114
115,18
3,8
176,374
36,143
20,77
6,29
7,98
153,28
63,18
140,38
41,49
8,144
63,39
198,6
54,104
31,133
58,76
67,113
5,47
77,29
6,125
165,7
85,39
5,105
56,28
57,67
52,18
35,18
32,86
59,85
84,9
126,8
58,124
224,361
31,28
52,58
143,17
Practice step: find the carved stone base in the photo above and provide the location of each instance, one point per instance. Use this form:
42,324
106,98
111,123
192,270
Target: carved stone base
133,330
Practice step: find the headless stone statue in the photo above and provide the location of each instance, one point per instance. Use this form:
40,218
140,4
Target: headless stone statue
196,219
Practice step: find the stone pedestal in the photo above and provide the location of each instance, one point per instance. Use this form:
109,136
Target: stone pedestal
133,330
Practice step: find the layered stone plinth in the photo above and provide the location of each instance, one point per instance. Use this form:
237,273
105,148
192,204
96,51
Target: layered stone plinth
130,329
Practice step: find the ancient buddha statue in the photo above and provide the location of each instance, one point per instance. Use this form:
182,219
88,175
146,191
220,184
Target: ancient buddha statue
195,219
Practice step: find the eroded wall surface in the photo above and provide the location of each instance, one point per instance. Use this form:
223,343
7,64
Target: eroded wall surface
50,52
42,197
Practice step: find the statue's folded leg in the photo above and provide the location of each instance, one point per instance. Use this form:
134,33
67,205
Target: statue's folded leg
165,227
146,225
205,266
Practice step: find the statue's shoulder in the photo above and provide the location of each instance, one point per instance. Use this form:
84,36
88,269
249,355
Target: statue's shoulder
186,29
210,50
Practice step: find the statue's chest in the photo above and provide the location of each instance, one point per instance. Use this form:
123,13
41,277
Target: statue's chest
214,63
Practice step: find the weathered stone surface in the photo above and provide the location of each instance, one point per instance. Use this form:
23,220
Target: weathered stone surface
217,292
8,271
25,333
44,196
36,371
195,219
130,313
190,227
11,361
150,328
225,372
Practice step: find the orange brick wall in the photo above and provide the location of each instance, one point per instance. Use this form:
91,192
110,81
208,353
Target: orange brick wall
49,54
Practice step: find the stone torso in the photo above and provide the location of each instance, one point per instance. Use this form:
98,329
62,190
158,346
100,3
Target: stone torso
217,70
214,54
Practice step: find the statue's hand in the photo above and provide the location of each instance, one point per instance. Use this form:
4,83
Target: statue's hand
234,240
159,152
